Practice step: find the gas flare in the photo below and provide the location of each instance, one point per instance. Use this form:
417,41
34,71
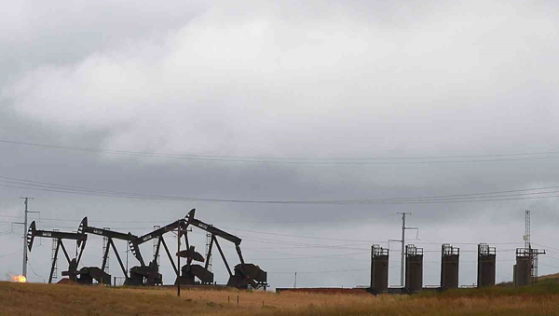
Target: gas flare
19,278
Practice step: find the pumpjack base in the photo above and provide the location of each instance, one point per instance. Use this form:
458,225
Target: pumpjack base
248,275
88,274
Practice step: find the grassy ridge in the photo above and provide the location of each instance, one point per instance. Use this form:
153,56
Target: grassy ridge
545,287
50,300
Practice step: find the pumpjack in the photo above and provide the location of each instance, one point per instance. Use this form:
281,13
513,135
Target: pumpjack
137,274
204,275
245,274
33,232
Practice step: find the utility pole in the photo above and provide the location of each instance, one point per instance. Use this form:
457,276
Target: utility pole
403,264
403,254
24,266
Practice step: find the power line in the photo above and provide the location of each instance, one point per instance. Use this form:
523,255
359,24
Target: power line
456,198
33,270
546,246
306,237
11,253
318,272
77,220
306,160
302,244
355,270
316,257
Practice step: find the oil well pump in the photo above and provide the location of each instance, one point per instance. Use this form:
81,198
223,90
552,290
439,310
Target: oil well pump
81,239
84,228
205,276
245,274
151,272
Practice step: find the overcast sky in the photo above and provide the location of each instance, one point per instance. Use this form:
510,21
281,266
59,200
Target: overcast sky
287,101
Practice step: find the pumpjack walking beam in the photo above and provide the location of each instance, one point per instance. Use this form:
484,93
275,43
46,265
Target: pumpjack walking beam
85,228
59,236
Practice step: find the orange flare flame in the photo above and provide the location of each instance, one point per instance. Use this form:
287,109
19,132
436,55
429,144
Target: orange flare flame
19,278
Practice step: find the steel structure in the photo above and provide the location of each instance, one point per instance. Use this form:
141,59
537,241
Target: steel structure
155,253
525,269
526,236
209,241
105,246
81,239
54,258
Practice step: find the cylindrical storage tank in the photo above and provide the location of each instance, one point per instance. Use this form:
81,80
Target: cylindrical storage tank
379,270
486,257
523,267
449,267
514,274
414,269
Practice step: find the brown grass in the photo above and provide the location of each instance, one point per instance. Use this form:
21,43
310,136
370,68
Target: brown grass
50,300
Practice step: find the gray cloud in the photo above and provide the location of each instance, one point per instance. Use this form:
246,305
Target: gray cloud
315,80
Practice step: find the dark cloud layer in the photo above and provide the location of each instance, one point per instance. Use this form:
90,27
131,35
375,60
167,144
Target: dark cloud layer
318,80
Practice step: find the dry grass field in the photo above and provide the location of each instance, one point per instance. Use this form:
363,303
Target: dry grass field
73,300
